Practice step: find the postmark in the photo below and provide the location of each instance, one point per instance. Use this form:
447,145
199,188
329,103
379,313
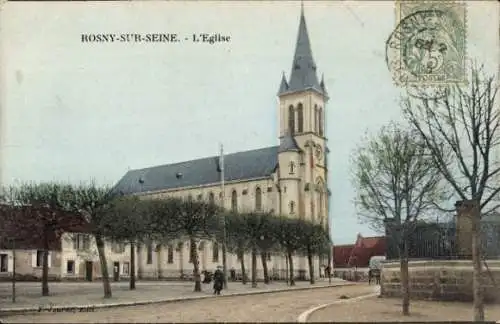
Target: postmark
428,47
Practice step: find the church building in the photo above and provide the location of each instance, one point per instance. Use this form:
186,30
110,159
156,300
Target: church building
286,179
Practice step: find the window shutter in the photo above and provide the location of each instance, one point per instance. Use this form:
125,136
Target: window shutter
33,259
10,263
50,259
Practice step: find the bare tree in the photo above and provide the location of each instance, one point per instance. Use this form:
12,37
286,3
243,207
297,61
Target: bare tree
464,124
396,181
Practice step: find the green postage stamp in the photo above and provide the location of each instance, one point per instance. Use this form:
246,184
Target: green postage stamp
429,44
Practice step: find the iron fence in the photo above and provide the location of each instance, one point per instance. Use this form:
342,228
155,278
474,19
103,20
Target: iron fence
438,241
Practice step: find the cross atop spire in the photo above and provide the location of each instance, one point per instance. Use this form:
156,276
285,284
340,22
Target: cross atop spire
303,75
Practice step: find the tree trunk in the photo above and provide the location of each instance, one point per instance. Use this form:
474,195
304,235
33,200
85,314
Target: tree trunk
104,266
243,270
159,248
476,263
14,273
224,263
311,266
330,266
290,265
405,280
45,265
132,266
254,268
264,267
196,268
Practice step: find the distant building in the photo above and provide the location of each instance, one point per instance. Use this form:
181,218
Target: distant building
359,254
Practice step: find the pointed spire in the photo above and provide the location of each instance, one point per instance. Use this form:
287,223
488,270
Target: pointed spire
303,74
283,85
322,84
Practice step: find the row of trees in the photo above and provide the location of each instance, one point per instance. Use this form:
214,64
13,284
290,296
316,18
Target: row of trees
447,151
129,219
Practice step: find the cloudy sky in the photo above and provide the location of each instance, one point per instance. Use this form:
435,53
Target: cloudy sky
74,111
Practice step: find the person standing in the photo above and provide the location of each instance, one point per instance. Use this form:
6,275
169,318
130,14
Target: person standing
218,280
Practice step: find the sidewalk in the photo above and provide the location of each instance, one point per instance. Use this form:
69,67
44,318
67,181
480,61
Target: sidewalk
89,295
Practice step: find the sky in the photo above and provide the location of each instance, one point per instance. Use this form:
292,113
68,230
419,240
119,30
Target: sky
75,111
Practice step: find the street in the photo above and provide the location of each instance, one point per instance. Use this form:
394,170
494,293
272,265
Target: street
280,306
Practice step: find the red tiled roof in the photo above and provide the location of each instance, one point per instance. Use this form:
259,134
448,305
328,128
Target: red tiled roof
359,254
25,225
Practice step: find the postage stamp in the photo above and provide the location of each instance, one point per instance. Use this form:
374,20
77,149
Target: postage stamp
429,43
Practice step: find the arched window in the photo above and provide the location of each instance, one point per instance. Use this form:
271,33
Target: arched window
320,188
315,118
234,201
312,212
211,198
320,121
292,167
199,197
291,120
215,252
292,207
300,118
258,199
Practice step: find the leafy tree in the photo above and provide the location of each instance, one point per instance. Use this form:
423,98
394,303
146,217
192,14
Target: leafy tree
266,243
191,219
48,212
288,233
128,220
396,181
315,239
464,124
254,229
237,239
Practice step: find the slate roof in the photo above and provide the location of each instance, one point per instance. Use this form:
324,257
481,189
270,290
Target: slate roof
257,163
303,75
288,143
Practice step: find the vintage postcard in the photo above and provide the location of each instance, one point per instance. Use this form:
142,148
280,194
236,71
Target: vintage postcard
264,156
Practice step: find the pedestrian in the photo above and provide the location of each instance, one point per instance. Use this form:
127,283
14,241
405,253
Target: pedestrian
233,274
328,271
218,280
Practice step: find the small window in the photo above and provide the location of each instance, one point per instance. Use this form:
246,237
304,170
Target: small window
149,256
291,166
211,198
170,254
292,207
200,197
39,258
126,268
4,262
258,199
70,266
268,256
234,201
215,252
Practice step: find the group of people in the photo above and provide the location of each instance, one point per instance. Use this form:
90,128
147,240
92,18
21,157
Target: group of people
217,277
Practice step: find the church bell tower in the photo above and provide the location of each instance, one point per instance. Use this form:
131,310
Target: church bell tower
301,109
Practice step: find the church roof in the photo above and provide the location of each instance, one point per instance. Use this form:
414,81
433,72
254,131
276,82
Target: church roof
288,143
303,76
252,164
